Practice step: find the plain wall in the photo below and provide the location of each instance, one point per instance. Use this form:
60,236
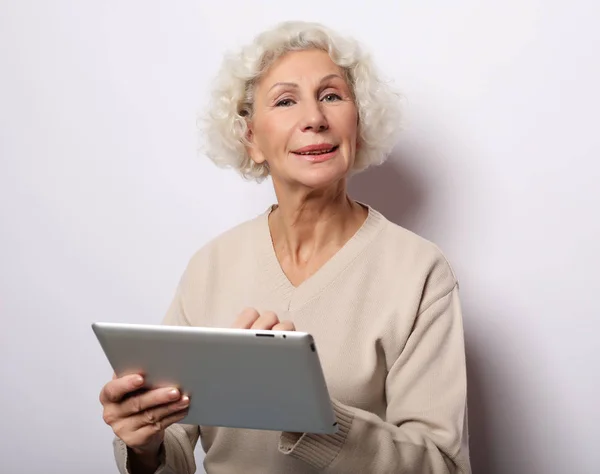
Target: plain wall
103,198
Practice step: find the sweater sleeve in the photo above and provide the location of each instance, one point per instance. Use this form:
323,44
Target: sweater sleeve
177,452
425,430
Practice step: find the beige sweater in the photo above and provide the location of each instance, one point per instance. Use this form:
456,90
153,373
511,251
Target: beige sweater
386,318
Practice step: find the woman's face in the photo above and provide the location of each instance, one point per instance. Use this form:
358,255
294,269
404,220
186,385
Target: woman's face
305,122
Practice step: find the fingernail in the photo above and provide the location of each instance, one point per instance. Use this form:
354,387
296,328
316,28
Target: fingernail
138,380
174,393
184,400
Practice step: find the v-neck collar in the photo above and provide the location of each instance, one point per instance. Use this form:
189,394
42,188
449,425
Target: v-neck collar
297,296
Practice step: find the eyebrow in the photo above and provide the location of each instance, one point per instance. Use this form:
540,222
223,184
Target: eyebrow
295,86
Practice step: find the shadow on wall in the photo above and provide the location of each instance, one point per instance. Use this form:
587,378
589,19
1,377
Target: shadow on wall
397,191
392,189
480,435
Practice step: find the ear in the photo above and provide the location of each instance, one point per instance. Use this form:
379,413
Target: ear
252,149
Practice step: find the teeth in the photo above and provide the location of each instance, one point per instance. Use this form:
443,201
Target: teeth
319,152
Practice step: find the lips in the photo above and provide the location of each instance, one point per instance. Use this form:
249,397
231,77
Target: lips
320,149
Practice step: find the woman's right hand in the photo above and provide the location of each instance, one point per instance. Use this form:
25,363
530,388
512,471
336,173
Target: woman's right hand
140,418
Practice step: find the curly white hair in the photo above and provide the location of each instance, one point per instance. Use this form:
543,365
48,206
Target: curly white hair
224,128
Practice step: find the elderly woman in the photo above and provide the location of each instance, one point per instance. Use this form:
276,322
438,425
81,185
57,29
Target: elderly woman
305,107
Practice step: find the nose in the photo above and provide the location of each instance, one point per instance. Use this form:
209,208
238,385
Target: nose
314,119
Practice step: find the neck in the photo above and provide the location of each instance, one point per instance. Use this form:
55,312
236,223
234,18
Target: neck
307,224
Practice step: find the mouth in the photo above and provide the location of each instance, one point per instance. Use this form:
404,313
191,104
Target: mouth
316,150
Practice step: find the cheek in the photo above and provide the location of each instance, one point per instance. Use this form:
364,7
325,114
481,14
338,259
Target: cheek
348,123
354,123
274,132
351,133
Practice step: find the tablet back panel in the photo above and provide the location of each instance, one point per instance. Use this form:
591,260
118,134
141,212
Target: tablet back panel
238,378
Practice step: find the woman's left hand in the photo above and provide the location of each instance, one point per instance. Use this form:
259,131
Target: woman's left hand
251,319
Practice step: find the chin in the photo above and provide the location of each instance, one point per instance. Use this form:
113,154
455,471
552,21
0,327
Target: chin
321,178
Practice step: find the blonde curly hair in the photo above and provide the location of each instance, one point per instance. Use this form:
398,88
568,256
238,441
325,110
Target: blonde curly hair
225,126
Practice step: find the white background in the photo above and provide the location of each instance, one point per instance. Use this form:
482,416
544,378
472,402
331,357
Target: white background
103,198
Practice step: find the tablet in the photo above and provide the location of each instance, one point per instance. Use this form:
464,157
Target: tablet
242,378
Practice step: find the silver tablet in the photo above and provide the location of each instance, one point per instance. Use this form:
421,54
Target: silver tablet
238,378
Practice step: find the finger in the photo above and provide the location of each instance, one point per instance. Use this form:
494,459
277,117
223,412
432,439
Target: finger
157,414
115,390
148,431
266,321
145,401
284,326
246,319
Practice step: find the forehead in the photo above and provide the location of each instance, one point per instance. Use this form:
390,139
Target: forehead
298,66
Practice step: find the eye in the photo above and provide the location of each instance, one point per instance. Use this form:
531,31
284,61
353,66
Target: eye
331,97
284,103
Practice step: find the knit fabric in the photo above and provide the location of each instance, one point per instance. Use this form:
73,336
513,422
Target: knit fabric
385,315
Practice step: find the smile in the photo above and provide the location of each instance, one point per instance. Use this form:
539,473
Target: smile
317,152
